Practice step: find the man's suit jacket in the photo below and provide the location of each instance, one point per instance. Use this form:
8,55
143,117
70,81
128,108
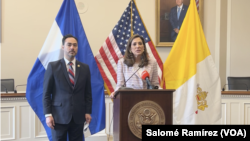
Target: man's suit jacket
175,23
62,100
136,82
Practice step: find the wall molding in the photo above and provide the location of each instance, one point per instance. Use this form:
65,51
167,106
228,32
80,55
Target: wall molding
235,96
11,111
24,121
12,98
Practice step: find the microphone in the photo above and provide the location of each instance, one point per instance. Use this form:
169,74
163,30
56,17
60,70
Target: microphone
145,76
6,90
15,91
123,86
223,89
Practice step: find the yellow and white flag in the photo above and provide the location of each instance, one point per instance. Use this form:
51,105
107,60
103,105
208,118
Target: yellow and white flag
190,70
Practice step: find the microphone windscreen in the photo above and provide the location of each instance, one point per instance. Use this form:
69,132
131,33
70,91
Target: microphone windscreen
144,74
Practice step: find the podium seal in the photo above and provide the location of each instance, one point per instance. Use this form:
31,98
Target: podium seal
145,113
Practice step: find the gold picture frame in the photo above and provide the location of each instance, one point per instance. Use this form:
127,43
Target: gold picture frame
0,21
163,32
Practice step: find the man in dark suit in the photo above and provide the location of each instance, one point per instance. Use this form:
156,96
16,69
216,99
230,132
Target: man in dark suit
67,97
177,15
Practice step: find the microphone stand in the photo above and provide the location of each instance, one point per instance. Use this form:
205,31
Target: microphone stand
149,85
15,91
123,86
6,90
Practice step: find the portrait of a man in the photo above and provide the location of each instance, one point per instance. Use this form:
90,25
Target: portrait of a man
170,15
176,17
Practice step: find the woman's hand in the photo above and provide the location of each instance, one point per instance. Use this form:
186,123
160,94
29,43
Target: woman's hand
112,95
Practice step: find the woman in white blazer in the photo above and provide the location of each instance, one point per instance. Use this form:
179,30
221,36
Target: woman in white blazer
136,57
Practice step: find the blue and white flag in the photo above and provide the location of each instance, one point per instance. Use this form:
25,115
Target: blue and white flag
66,22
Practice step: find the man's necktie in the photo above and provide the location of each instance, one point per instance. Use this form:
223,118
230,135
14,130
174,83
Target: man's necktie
71,74
178,12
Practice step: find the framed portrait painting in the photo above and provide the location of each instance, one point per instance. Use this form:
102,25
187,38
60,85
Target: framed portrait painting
166,19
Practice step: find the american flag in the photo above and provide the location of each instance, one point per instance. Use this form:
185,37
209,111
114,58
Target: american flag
197,5
114,47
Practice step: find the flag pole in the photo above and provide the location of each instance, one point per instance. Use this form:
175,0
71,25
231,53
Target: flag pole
162,81
131,10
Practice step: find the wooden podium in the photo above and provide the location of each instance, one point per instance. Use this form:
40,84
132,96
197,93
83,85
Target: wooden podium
126,99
